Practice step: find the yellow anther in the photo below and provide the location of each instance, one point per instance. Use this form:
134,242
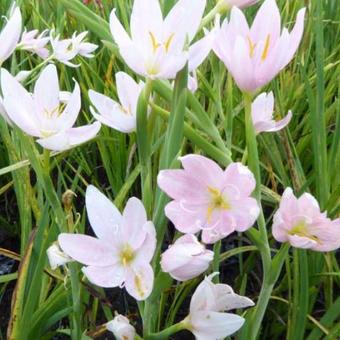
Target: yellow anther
155,43
168,42
251,47
266,48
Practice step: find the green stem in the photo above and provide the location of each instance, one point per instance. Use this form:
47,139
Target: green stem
255,318
144,146
166,332
216,261
254,165
220,7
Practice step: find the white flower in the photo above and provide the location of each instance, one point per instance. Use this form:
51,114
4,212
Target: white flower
56,256
121,328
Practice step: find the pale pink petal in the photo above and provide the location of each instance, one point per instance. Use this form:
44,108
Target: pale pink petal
244,212
146,17
308,205
147,249
183,20
301,242
70,138
328,235
262,108
121,328
238,24
104,217
46,91
10,35
199,51
133,58
185,220
170,66
203,170
221,230
119,34
69,116
227,300
183,185
267,21
88,250
240,178
280,228
214,325
111,114
295,36
241,66
128,92
107,277
139,281
186,258
21,112
204,298
280,124
134,217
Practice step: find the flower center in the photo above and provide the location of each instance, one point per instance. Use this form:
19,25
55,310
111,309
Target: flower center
217,202
126,255
301,229
56,112
126,110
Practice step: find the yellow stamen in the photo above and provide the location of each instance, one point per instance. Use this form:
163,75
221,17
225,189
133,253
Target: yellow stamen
266,48
58,110
127,111
217,202
138,285
251,47
126,255
168,42
155,43
300,229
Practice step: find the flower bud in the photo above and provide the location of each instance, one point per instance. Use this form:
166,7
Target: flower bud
186,258
56,256
121,328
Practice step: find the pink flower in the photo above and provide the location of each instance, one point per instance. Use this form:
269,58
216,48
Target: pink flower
10,34
42,114
209,199
157,46
207,319
121,328
120,255
32,42
120,116
262,114
300,222
186,258
254,56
